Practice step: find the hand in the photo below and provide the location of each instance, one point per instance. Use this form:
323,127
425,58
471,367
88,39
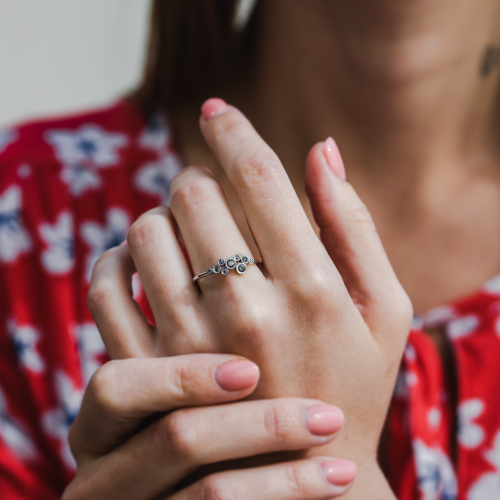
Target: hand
327,320
119,456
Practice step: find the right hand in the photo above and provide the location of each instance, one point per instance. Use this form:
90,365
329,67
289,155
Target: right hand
121,454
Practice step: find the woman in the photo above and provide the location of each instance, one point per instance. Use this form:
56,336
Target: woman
409,97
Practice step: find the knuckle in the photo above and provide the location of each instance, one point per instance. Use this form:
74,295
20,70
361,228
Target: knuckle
193,193
146,230
257,168
280,422
99,294
103,387
317,289
357,212
178,433
215,487
298,481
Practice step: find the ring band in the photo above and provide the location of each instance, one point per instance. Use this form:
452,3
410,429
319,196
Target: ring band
223,266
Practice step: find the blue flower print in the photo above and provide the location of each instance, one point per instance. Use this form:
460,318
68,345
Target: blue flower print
59,256
436,476
24,341
156,136
14,239
155,177
57,421
14,435
102,237
89,144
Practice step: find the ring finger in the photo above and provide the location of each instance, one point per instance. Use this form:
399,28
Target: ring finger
207,224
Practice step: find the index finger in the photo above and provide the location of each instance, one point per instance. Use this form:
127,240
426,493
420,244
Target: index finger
122,393
274,213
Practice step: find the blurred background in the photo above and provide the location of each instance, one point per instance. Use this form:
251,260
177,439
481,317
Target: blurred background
59,56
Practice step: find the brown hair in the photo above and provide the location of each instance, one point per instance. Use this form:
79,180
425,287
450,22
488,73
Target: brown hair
193,51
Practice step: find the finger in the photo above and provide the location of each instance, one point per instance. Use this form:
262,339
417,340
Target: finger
351,239
121,323
312,479
164,272
171,448
207,225
274,213
122,393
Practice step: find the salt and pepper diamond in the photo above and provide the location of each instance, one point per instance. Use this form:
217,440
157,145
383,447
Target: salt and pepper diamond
230,263
244,259
241,268
251,260
237,258
217,269
225,271
221,262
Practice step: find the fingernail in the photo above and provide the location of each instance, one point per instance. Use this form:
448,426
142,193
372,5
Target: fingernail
323,420
237,375
333,158
213,107
339,472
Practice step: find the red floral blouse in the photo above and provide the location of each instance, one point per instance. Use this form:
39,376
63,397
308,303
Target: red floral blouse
69,190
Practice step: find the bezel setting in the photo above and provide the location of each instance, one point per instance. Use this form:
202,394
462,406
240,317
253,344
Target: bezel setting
241,268
230,263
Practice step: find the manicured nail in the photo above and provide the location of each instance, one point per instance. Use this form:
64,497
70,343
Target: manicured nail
323,420
237,375
339,472
213,107
333,158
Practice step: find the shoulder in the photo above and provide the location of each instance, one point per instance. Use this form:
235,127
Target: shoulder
52,139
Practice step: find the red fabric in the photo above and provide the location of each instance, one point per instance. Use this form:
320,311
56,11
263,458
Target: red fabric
69,189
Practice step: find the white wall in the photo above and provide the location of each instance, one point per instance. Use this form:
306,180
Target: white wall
58,56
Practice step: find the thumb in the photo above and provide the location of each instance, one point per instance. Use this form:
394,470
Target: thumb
350,237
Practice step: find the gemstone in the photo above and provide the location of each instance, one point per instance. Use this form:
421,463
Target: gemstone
221,262
231,263
252,260
244,259
210,271
237,258
225,271
242,269
217,269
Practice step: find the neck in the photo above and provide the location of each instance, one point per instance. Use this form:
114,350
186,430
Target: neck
394,82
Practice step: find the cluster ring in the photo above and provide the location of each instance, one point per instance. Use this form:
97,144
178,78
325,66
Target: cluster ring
238,262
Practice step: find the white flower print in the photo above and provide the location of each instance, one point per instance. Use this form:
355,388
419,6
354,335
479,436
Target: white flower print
434,417
14,435
89,144
470,434
57,421
461,327
487,487
24,340
59,256
155,177
90,346
493,286
103,237
7,137
156,135
80,178
436,477
14,239
438,316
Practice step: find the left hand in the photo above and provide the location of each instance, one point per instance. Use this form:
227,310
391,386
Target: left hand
325,320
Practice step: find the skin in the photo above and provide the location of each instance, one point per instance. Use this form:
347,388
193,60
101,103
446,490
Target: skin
399,87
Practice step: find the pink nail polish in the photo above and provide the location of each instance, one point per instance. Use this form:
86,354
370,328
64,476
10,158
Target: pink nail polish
213,107
339,472
333,158
237,375
323,420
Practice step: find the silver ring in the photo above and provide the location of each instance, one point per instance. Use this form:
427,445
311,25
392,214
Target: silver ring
238,262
